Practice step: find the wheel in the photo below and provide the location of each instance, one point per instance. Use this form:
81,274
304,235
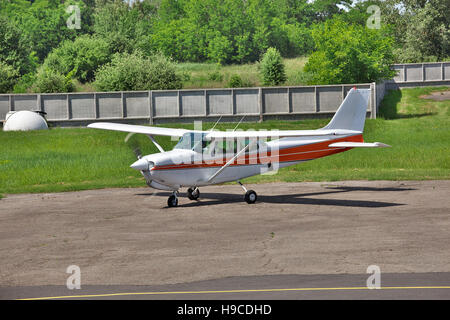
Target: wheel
172,201
193,193
250,196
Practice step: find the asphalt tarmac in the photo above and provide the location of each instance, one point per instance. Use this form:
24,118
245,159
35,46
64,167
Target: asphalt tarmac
299,241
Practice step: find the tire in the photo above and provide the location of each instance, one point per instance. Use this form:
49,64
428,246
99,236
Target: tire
250,196
172,201
193,193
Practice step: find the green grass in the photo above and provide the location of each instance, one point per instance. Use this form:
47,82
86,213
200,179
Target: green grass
201,73
75,159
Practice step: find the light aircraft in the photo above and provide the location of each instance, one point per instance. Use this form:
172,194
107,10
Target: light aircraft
203,158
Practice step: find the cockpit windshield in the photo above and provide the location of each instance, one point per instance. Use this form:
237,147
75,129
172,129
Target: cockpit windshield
193,141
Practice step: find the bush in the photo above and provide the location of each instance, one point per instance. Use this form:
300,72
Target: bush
8,77
272,68
215,76
136,72
48,81
83,56
235,81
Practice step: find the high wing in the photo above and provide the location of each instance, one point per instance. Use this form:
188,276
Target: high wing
278,133
157,131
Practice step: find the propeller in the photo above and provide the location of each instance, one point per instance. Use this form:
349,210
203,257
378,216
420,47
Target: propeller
141,164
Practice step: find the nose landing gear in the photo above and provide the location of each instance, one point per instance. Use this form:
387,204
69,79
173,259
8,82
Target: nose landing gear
250,195
173,200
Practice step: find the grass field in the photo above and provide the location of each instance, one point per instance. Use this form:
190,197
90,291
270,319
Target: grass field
63,159
210,75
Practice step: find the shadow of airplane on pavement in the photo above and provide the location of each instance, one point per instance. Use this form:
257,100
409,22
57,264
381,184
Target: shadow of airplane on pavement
208,199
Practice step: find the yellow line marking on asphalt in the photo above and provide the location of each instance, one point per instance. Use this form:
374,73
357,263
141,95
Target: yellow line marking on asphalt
229,291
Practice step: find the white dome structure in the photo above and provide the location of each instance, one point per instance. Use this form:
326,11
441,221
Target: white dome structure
24,121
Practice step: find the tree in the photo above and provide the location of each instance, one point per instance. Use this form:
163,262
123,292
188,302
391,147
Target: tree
14,50
125,28
82,56
427,36
42,23
136,72
272,68
350,53
8,77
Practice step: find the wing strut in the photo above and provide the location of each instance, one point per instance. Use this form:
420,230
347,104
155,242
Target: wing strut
155,143
230,161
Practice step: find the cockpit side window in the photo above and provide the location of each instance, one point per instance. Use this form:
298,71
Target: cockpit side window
193,141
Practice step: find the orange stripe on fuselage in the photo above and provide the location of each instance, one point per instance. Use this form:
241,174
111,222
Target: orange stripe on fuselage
303,152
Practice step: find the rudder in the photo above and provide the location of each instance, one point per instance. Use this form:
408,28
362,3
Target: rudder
351,114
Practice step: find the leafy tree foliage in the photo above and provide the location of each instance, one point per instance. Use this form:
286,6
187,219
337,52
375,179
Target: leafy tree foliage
82,57
13,47
8,77
125,28
272,68
229,31
48,81
349,54
42,22
136,72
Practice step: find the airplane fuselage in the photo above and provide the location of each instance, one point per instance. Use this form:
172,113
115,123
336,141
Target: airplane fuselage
187,168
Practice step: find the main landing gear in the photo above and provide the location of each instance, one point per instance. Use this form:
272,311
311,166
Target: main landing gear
193,193
250,195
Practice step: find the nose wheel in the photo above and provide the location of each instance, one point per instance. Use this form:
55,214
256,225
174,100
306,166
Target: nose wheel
173,200
250,195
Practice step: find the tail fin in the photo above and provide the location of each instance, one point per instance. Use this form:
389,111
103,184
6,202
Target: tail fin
351,114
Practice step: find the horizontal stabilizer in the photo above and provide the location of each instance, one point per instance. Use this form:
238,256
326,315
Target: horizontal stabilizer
358,145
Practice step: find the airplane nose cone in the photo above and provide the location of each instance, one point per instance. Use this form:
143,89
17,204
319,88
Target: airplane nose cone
140,165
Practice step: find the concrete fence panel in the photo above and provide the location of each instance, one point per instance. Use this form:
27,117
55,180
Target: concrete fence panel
56,106
110,105
193,103
446,71
25,102
165,104
275,100
82,106
303,99
329,98
246,101
414,72
219,102
4,106
136,104
432,71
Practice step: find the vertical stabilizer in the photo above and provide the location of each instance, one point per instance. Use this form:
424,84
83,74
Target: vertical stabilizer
351,114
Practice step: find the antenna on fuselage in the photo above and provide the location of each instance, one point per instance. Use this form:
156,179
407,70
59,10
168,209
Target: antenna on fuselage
238,123
215,124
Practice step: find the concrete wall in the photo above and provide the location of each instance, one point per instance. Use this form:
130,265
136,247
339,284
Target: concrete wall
420,74
184,105
210,104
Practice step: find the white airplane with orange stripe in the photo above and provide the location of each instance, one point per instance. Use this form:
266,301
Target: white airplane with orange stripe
203,158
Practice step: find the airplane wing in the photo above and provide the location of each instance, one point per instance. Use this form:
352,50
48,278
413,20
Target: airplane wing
358,145
278,133
157,131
